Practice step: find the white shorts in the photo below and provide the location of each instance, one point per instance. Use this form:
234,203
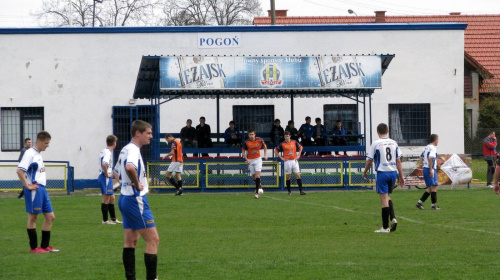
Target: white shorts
175,167
291,166
255,165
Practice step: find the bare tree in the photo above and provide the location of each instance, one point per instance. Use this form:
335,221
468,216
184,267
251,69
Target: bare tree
107,13
211,12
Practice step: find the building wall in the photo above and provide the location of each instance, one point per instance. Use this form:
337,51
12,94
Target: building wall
78,77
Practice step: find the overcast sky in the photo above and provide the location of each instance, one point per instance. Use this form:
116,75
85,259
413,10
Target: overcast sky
16,13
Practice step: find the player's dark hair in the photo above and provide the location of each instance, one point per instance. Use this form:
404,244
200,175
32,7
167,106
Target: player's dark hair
110,140
490,132
317,119
382,128
290,122
26,140
43,135
433,138
140,126
168,136
287,132
251,130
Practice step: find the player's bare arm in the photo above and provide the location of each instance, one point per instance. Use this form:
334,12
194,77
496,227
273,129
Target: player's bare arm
244,153
105,168
265,151
431,169
496,188
132,174
300,152
22,177
399,165
367,166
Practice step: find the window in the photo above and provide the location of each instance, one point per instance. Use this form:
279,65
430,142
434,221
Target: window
18,124
410,124
258,117
347,113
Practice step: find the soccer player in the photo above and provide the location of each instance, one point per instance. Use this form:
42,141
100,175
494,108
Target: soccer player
387,157
133,203
289,148
105,181
27,145
31,173
176,165
429,157
251,154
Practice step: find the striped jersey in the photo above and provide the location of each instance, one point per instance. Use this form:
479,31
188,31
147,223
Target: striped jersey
384,153
131,154
253,147
32,164
105,157
429,152
176,147
289,149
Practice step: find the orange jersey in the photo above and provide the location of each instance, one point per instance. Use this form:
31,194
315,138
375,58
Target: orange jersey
253,147
177,149
289,149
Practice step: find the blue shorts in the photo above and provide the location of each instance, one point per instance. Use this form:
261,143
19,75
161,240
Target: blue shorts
386,181
428,180
135,212
105,184
37,201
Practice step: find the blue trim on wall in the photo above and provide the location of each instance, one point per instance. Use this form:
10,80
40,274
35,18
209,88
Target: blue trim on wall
86,184
246,28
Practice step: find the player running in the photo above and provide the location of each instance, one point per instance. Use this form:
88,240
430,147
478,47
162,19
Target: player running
177,162
387,157
429,158
31,173
251,153
105,181
289,148
133,203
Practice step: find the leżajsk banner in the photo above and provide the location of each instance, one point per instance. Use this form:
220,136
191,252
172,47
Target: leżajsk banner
323,72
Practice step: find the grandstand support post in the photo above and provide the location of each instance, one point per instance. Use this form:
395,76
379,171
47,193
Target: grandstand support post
291,108
282,175
218,120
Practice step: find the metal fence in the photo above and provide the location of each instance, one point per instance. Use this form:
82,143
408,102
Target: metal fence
474,146
58,176
158,178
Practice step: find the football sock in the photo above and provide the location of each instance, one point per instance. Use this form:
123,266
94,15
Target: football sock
299,182
33,238
288,183
385,217
257,184
128,257
172,181
434,197
151,261
391,210
45,239
104,210
179,184
424,197
111,209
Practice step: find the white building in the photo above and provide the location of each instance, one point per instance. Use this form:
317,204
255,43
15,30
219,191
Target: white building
70,79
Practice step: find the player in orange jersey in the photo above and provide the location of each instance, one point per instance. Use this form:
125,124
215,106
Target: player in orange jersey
177,162
251,153
289,148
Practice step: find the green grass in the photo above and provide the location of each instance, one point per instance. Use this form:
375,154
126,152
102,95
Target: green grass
479,169
323,235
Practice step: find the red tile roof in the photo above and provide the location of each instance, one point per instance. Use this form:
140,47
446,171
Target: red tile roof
482,36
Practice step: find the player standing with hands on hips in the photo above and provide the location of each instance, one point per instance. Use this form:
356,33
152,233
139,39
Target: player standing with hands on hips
429,159
133,203
251,154
105,180
289,148
387,157
31,173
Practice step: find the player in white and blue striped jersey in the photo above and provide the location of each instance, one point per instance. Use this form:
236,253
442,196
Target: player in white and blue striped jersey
105,181
386,155
429,159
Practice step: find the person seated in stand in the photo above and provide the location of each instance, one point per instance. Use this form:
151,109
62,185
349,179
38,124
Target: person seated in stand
338,136
203,134
277,134
306,133
188,136
294,133
232,136
319,135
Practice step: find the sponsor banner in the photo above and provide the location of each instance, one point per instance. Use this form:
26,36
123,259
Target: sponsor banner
219,40
452,169
332,72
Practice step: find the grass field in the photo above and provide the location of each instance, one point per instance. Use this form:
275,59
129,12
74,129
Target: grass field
323,235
